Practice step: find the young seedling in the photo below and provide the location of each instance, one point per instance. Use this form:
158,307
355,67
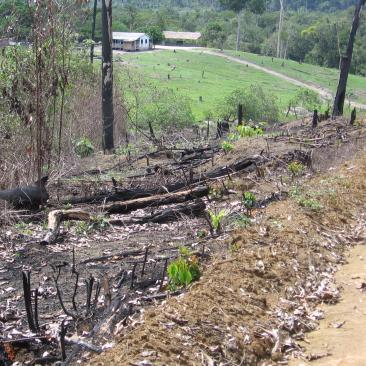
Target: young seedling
249,201
183,271
296,169
227,146
216,219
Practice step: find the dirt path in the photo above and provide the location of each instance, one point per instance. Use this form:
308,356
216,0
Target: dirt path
323,92
342,333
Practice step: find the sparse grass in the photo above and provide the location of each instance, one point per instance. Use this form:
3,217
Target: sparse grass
242,222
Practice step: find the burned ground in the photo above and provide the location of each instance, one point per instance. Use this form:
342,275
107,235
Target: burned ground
260,284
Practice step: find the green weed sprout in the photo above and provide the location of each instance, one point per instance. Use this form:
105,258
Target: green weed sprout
183,271
249,201
227,146
216,219
295,168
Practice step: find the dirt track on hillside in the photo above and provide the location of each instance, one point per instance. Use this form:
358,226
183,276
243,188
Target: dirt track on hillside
342,334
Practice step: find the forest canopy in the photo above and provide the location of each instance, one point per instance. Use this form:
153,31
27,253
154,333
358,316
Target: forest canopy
313,31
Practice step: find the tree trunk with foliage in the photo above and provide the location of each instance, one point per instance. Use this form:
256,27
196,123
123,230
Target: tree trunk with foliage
280,25
107,77
238,33
346,63
93,31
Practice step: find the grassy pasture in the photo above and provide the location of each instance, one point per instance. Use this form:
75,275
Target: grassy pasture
312,74
219,79
195,75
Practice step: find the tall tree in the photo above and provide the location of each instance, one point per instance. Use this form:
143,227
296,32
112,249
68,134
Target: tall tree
256,6
93,31
280,26
346,62
107,77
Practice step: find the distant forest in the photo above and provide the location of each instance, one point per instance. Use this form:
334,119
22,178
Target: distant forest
312,31
322,5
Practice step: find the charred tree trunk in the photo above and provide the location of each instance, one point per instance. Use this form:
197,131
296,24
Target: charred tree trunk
107,77
346,63
93,31
315,119
353,117
240,114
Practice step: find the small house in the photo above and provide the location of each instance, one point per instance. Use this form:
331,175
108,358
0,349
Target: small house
126,41
181,38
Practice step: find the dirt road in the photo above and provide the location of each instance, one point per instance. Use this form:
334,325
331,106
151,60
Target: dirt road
323,92
342,334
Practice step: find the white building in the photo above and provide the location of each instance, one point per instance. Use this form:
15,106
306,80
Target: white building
131,41
181,38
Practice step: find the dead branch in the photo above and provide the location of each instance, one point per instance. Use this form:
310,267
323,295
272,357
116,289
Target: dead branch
116,256
158,200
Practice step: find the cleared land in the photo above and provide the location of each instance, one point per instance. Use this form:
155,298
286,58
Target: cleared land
220,77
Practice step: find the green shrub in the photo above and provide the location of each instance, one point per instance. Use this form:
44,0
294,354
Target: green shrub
249,201
305,98
201,234
83,147
183,271
99,223
258,105
227,146
247,131
296,168
242,222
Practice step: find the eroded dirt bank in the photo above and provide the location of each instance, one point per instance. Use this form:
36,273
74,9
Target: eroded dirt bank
254,305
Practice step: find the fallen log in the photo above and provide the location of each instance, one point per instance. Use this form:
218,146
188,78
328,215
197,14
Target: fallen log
126,253
247,164
167,215
56,217
119,195
157,200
